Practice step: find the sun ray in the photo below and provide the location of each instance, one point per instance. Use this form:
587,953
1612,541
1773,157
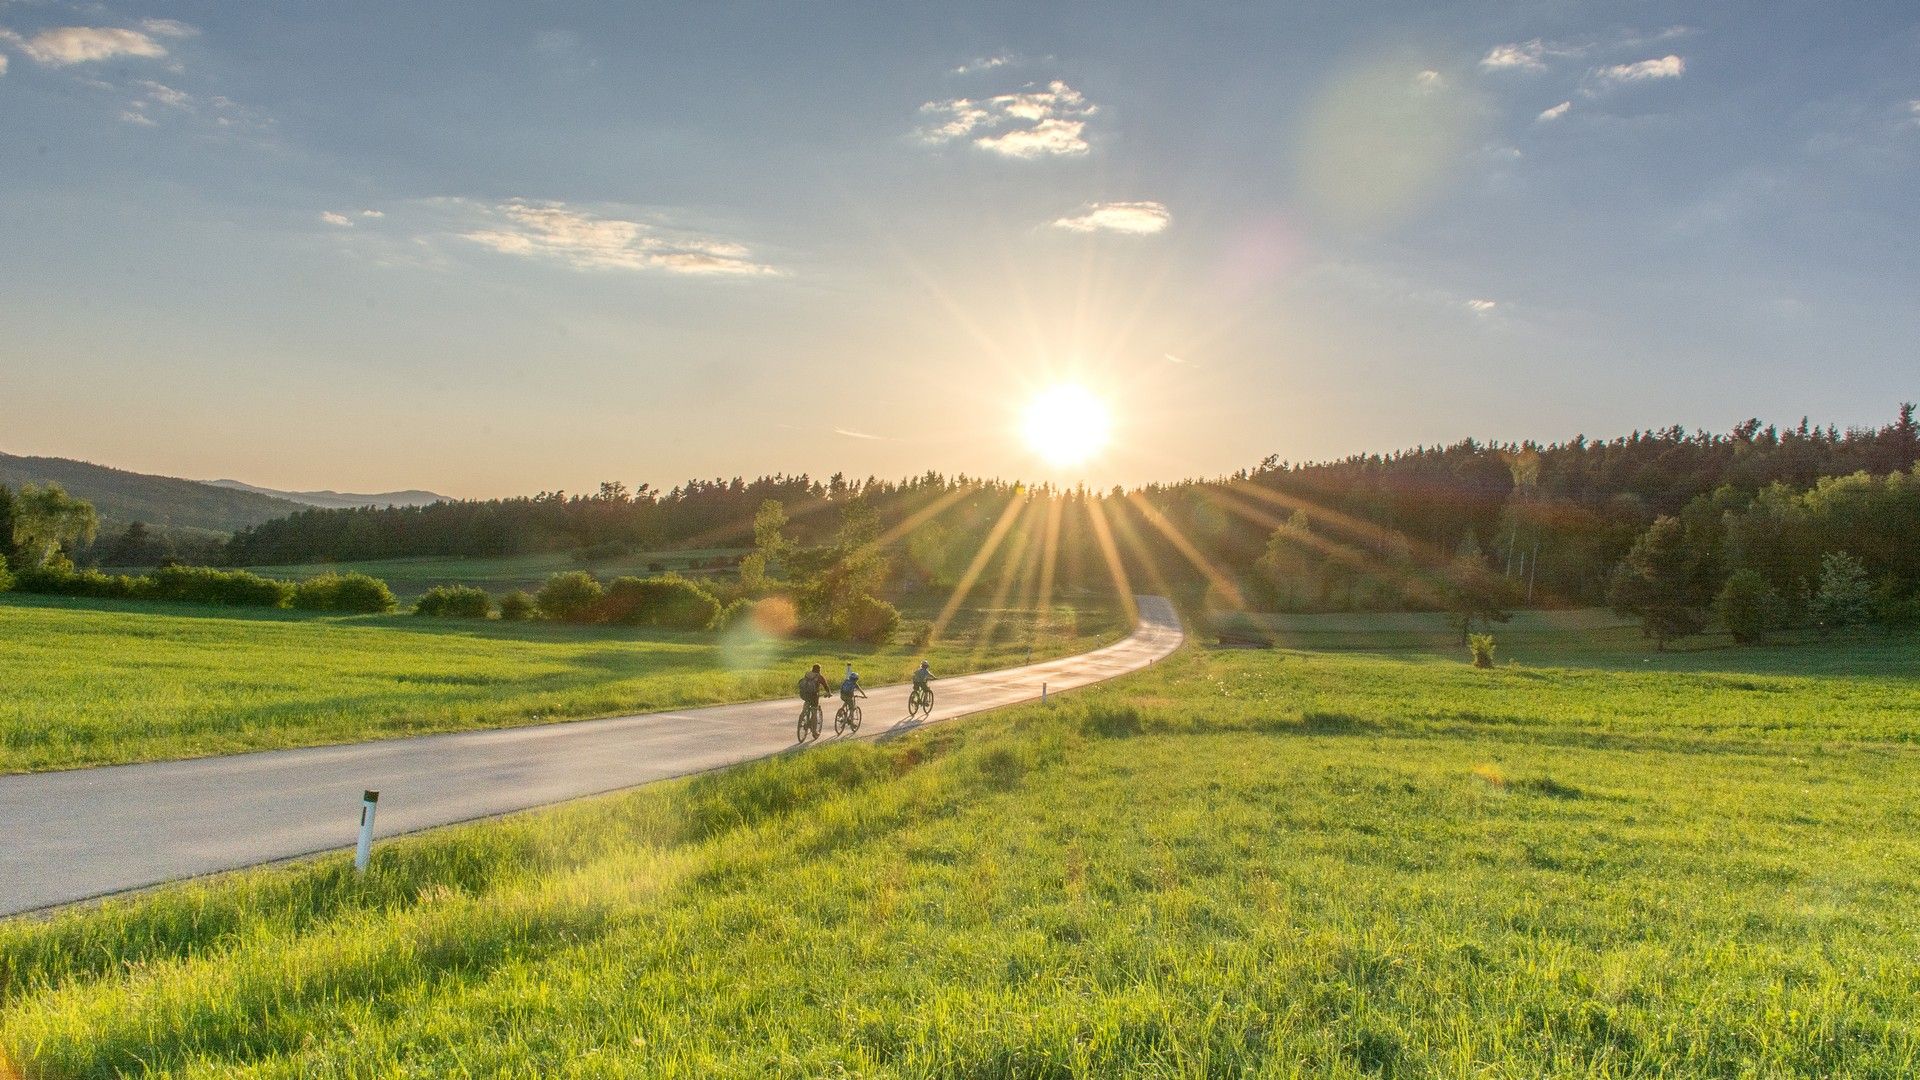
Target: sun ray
987,548
1016,548
1224,585
1122,521
1357,558
1103,535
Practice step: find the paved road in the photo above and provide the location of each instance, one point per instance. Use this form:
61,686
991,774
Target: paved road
70,836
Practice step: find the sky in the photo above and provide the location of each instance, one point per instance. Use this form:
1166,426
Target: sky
499,249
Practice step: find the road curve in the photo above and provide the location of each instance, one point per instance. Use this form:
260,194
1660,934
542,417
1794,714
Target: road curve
76,835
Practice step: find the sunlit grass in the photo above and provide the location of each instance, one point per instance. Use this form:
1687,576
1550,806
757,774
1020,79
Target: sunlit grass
1236,863
97,682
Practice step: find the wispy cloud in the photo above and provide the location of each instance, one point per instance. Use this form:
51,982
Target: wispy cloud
1481,307
1429,81
65,45
1520,56
1127,218
3,63
983,63
1554,113
1036,122
1665,67
340,220
857,434
586,240
373,213
172,28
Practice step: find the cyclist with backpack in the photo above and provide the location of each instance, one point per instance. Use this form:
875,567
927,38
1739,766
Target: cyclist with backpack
810,687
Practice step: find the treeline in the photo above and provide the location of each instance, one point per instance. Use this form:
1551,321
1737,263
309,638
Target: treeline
1474,528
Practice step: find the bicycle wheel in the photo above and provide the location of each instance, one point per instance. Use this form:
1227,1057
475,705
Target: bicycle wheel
801,734
853,719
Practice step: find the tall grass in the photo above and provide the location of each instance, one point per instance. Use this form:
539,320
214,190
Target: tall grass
1233,864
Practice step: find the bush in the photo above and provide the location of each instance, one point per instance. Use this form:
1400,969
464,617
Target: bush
1844,597
61,579
454,602
6,576
738,613
671,601
344,592
205,585
516,606
1481,646
872,621
573,596
1749,606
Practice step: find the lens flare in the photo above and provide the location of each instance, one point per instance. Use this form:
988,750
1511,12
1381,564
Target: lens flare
1067,424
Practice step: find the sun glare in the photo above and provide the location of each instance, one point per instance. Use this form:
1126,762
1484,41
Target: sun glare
1067,424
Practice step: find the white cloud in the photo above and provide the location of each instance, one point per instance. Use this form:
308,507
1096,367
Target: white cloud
1665,67
1913,107
331,218
1049,138
1521,56
1429,81
1033,123
135,116
1127,218
66,45
3,63
588,241
1481,307
373,213
983,63
1554,113
856,434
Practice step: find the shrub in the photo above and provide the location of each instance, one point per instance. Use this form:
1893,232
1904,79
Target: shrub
205,585
516,605
1844,596
454,602
6,576
872,621
344,592
738,613
573,596
670,601
61,579
1749,605
919,633
1481,646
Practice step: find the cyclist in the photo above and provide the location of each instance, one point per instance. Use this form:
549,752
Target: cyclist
850,686
922,694
812,685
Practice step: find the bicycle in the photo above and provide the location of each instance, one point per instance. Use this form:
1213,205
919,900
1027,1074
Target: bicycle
809,721
920,702
847,718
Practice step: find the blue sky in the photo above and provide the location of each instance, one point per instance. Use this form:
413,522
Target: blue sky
521,247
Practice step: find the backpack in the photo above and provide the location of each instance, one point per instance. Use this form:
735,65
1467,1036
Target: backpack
805,685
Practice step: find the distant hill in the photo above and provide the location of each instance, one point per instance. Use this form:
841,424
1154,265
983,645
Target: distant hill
337,500
170,503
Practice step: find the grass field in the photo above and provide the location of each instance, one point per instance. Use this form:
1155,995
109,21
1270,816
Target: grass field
410,577
1370,862
98,682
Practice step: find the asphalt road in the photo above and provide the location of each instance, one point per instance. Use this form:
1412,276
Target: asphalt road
69,836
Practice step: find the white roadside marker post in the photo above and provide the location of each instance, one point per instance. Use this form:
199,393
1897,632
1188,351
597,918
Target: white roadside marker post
368,801
1043,693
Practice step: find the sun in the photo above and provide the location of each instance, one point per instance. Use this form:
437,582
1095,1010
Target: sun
1067,424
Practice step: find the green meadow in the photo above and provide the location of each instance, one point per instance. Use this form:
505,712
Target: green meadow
93,682
1362,859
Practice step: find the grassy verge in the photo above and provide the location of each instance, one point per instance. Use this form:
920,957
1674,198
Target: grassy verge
100,682
1270,863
